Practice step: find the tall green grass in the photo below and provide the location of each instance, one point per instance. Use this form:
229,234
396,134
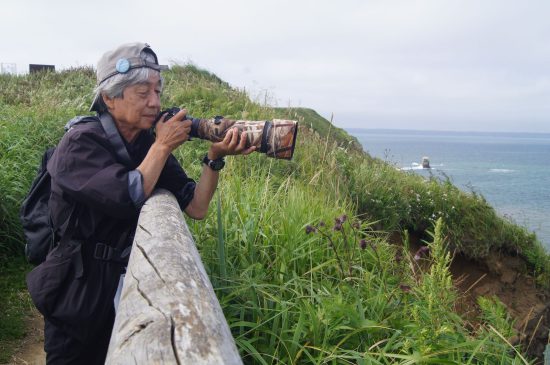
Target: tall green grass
342,294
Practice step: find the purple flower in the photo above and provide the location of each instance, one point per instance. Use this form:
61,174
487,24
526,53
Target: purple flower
405,288
343,218
363,244
321,224
337,226
310,229
422,251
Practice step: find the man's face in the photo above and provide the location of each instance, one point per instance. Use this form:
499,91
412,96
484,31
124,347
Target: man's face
139,105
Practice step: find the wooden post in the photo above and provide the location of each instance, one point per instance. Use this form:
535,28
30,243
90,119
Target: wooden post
168,312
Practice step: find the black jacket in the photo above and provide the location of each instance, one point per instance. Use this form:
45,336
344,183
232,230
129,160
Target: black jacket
88,179
86,174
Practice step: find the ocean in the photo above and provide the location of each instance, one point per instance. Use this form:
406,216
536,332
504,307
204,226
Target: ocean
511,170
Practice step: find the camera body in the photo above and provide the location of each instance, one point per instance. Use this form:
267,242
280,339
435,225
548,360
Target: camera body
170,112
276,138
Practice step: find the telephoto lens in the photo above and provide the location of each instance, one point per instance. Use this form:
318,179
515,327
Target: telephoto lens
276,138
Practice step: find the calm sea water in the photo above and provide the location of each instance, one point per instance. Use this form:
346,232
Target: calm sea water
511,170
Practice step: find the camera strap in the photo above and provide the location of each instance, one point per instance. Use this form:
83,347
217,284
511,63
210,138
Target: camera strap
114,137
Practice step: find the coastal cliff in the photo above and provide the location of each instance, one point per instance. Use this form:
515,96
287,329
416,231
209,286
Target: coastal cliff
333,256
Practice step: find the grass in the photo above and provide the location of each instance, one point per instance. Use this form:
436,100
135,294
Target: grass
297,281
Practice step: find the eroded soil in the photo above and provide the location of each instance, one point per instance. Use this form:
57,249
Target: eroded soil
506,277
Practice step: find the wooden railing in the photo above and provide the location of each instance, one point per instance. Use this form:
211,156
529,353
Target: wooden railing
168,312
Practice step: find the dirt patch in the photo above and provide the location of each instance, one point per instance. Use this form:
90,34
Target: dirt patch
31,349
505,277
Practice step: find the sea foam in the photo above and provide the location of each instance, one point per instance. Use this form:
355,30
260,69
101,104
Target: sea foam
502,171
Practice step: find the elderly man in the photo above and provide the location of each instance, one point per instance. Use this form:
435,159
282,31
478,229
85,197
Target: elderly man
101,175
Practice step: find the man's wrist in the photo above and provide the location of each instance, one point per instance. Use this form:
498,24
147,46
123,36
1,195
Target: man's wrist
215,164
213,155
161,148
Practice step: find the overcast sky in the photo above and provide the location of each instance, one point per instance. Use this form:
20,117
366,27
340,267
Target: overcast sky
438,64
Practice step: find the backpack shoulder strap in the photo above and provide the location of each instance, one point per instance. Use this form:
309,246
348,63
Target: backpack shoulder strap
80,119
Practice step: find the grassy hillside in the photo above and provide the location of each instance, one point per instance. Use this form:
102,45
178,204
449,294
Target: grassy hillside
306,273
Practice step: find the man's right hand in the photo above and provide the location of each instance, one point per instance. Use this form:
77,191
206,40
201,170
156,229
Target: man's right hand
173,132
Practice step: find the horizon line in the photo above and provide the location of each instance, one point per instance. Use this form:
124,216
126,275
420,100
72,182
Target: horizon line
445,130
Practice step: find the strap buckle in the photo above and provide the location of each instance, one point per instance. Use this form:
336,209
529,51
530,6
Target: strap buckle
107,253
103,252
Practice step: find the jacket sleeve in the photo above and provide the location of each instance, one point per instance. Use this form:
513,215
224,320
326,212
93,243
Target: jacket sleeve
174,179
86,169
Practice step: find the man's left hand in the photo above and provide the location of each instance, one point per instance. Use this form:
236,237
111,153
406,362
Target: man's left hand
230,145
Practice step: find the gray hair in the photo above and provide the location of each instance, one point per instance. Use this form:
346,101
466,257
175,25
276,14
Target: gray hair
115,85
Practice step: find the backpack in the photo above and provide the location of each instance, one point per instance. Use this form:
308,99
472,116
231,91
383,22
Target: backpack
35,213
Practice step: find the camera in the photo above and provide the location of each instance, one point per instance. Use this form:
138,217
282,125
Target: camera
276,138
170,112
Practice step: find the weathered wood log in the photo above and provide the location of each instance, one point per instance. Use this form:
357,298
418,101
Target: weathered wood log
168,312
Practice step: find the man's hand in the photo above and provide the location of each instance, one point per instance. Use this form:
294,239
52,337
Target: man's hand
174,131
230,145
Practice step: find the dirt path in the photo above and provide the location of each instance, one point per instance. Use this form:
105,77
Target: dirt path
31,349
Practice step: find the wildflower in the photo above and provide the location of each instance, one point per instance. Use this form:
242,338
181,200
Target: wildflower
310,229
363,244
398,257
405,288
421,252
343,218
321,224
337,226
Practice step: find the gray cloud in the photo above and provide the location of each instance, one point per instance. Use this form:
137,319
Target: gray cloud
456,65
